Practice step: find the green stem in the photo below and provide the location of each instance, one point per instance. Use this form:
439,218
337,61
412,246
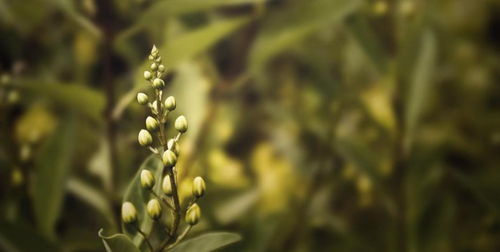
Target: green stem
145,238
184,233
177,211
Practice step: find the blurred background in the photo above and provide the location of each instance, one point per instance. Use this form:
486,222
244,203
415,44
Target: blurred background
319,125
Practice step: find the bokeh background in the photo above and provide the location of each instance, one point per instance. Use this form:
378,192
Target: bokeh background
319,125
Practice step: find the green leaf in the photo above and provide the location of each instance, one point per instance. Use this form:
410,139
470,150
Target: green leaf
288,27
80,98
20,237
207,242
161,10
117,243
140,197
51,167
368,41
93,197
70,10
421,82
234,208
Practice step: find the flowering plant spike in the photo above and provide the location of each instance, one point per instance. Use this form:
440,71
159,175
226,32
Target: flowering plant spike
163,209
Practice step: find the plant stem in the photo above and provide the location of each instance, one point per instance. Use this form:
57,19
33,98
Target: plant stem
162,199
177,211
145,238
184,233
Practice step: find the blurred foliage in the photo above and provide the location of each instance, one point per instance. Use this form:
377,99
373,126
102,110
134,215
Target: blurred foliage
320,125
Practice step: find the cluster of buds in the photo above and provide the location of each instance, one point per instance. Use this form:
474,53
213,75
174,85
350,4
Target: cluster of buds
154,138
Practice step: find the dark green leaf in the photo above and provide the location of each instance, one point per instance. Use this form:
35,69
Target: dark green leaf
52,166
421,82
93,197
286,28
80,98
207,242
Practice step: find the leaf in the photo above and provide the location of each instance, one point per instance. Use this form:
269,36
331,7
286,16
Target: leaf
233,208
140,197
117,243
368,41
288,27
93,197
51,167
20,237
182,48
163,9
69,8
421,82
207,242
80,98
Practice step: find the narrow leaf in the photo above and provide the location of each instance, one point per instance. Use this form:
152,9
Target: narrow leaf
288,27
421,82
52,166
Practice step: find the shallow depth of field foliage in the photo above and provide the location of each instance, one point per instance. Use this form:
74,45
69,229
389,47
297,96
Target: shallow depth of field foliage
318,125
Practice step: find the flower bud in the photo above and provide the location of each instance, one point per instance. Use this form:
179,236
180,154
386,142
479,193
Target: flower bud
148,75
181,124
154,51
154,107
129,214
169,158
170,103
145,138
147,179
142,98
193,214
151,57
173,146
154,66
161,68
151,123
158,83
154,209
166,186
158,59
198,187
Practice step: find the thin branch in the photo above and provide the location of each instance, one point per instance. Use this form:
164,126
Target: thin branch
145,238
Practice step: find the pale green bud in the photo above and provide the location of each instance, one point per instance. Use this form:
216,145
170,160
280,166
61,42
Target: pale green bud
154,108
154,209
151,57
158,83
154,66
181,124
173,146
170,103
198,187
158,59
151,123
166,186
148,75
154,51
161,68
129,214
147,179
193,214
145,138
142,98
169,158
